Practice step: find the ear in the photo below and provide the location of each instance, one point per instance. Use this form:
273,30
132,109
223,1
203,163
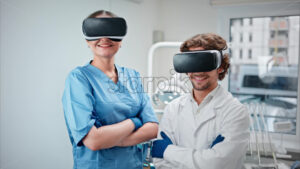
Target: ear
87,42
220,70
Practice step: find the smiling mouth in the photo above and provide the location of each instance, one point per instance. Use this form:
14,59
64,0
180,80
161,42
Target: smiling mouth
200,78
104,45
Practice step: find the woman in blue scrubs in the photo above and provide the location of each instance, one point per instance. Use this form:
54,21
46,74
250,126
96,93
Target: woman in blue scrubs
106,110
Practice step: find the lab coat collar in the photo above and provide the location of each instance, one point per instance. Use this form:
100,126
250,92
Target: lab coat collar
219,99
207,98
220,96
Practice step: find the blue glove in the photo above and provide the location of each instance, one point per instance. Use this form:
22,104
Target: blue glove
219,139
159,146
137,122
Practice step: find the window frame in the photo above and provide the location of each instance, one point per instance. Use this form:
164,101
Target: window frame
254,11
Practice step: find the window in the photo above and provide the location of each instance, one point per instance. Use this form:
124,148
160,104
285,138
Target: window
241,37
268,75
241,54
249,54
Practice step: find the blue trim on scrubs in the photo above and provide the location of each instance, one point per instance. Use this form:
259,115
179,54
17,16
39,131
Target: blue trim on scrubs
91,98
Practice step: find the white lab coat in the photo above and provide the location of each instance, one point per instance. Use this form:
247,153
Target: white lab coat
192,134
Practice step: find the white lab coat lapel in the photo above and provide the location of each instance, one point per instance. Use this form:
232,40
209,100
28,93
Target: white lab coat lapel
187,119
208,114
210,111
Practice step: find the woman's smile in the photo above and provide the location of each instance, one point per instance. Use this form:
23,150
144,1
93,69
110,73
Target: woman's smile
104,45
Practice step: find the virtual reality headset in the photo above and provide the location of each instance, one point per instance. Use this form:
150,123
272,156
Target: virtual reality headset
197,61
112,28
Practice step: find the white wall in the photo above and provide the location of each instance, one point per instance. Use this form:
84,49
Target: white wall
180,20
40,42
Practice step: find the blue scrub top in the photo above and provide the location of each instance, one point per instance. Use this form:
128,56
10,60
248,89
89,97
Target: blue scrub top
90,96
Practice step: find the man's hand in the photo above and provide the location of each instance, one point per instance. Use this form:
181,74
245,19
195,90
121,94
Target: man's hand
159,146
219,139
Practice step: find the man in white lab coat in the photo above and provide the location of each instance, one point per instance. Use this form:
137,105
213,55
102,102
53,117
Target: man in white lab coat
207,128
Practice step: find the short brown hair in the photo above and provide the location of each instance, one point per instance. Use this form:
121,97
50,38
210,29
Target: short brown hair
209,41
102,12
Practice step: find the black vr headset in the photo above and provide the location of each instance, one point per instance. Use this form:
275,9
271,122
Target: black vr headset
112,28
197,61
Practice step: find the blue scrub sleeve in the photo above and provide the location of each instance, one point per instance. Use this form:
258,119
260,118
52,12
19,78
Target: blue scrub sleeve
78,102
146,113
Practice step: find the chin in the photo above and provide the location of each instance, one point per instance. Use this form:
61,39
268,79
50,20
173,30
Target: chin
201,87
106,55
